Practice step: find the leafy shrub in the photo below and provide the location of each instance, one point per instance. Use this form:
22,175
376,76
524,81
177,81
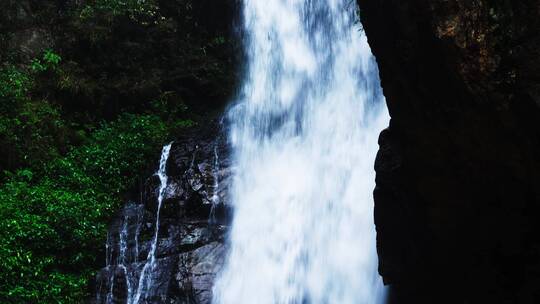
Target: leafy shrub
50,61
141,11
14,84
67,155
35,135
31,131
51,227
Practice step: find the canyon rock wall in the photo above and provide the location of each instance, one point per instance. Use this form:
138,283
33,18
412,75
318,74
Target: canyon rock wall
458,171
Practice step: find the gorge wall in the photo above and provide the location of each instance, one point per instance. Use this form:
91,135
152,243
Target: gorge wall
458,179
192,221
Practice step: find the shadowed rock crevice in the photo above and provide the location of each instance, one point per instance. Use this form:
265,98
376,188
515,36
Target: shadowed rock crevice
458,182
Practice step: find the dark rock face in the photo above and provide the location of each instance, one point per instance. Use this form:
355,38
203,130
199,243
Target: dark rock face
458,171
190,248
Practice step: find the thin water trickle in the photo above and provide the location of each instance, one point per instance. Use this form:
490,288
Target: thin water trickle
123,257
145,280
304,134
215,187
109,265
140,212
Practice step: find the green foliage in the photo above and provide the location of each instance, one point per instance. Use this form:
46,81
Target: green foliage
49,61
68,154
35,134
219,40
14,84
52,226
37,66
29,240
54,210
31,131
140,11
51,58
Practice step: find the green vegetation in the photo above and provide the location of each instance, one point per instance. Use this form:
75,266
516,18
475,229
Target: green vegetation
27,127
49,61
85,107
14,85
52,226
54,208
31,131
137,10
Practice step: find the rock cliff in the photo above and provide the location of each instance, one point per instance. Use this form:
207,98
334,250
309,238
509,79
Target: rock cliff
190,247
458,179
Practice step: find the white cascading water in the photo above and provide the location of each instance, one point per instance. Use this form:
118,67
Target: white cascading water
215,188
123,258
304,134
120,258
145,280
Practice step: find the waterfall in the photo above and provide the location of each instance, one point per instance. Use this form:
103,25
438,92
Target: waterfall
304,135
123,261
145,280
215,188
120,254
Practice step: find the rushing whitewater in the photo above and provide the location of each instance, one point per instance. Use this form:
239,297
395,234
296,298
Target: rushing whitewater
304,133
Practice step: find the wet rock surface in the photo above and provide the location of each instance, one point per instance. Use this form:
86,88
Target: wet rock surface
193,221
458,171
